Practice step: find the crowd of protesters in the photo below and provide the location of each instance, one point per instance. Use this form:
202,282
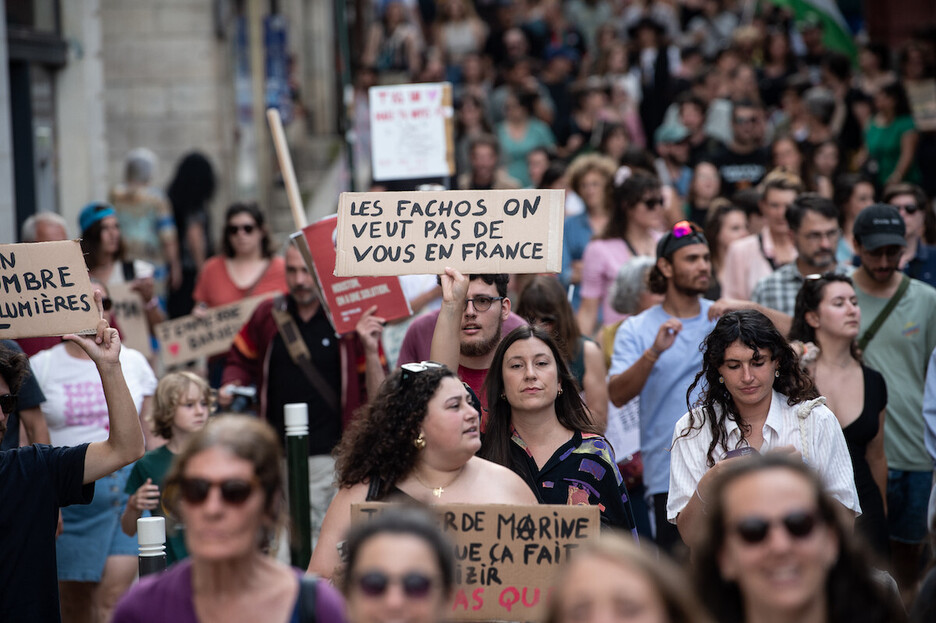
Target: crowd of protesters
748,280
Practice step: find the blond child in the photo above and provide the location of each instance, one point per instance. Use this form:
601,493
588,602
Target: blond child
181,408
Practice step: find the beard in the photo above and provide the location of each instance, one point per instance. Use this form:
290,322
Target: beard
479,349
686,287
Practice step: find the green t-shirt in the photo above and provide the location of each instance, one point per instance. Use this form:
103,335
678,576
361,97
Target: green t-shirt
900,351
154,465
883,143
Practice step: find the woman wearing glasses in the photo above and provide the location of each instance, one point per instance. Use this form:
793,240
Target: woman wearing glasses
226,487
400,568
754,399
416,440
775,549
246,268
827,316
634,227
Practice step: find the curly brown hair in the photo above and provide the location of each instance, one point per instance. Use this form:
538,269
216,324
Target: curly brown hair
379,441
754,330
169,393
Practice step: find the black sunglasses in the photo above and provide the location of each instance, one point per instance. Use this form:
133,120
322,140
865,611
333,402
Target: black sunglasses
483,303
233,491
8,403
409,370
233,229
375,583
798,524
910,208
653,203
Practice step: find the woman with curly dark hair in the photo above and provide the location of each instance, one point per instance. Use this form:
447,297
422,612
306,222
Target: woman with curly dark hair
775,549
417,439
754,399
539,427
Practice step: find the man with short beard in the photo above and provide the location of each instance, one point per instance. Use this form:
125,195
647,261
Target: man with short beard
479,322
656,356
340,373
814,229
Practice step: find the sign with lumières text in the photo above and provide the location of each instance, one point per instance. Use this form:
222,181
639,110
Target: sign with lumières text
45,290
506,556
475,231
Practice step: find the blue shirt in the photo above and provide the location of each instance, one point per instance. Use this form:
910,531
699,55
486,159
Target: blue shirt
663,397
923,264
576,233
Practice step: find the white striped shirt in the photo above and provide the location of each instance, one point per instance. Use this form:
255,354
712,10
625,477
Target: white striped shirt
826,451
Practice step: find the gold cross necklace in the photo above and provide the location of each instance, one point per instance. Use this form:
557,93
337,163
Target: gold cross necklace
438,491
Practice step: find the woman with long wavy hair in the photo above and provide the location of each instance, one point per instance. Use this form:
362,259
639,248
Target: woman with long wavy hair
416,440
754,399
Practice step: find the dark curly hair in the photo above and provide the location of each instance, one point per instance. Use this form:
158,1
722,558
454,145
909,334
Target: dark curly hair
715,404
570,410
14,367
379,441
853,595
808,299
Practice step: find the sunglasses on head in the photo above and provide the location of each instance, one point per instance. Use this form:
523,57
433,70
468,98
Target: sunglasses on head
375,583
409,370
909,208
685,228
233,229
8,403
233,491
798,525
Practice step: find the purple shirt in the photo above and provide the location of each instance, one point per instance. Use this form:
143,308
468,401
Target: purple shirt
168,597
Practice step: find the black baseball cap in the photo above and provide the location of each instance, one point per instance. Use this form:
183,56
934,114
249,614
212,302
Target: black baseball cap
880,225
681,235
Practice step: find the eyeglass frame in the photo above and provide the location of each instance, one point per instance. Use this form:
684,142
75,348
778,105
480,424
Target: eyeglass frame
483,307
410,370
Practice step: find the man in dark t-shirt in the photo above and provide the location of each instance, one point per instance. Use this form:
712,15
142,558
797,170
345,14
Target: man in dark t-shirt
35,481
744,161
27,411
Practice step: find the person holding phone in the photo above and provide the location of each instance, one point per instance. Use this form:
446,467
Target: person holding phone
754,397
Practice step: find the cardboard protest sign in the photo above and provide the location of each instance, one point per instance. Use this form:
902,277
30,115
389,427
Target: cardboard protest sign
475,231
188,338
922,97
45,290
506,556
130,313
412,131
346,299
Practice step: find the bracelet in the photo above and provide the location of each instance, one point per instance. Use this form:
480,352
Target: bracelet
652,355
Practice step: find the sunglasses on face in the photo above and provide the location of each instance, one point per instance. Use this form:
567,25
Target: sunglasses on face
744,120
653,203
233,491
798,525
375,583
409,370
233,229
482,303
8,403
909,208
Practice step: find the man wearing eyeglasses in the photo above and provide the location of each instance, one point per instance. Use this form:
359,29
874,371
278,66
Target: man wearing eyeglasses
478,316
900,349
918,259
814,229
35,481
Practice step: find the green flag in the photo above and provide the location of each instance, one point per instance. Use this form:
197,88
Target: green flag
835,31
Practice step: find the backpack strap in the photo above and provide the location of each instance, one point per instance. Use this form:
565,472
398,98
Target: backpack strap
307,598
871,331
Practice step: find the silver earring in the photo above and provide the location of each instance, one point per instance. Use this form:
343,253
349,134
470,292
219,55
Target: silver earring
777,373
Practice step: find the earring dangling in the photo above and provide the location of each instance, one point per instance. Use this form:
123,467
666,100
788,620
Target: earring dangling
721,380
777,373
420,442
503,396
560,392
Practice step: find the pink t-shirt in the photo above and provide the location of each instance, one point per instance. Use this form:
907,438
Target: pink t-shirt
600,265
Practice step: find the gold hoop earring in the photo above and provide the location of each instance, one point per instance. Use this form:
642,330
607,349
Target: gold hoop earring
420,442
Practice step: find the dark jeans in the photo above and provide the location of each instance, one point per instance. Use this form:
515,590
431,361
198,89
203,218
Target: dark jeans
667,536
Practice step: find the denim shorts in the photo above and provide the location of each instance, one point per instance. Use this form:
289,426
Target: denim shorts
92,531
907,500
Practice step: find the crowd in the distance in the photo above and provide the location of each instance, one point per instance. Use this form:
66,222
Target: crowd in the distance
737,363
